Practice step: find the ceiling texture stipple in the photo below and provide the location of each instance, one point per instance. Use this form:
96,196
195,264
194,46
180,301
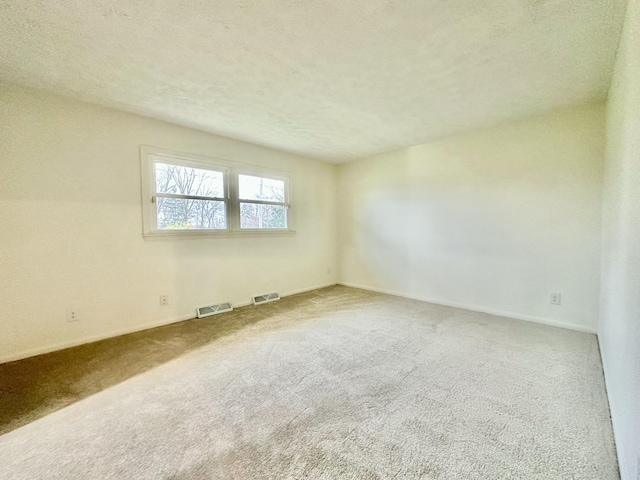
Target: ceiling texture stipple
328,79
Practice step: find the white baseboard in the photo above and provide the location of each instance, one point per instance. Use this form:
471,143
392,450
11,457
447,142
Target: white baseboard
138,328
478,308
94,338
303,290
147,326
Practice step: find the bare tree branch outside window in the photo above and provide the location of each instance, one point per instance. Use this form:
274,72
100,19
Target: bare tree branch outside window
186,213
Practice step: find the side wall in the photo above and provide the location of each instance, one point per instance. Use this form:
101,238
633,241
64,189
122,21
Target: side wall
71,227
619,331
495,220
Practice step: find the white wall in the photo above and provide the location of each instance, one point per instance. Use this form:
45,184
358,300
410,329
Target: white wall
71,231
495,220
619,331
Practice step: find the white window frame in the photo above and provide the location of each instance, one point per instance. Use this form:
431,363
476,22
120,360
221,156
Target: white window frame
231,170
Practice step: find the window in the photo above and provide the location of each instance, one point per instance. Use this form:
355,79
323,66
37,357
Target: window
263,202
189,198
186,195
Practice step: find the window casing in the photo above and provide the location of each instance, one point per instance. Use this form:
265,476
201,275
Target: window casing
192,195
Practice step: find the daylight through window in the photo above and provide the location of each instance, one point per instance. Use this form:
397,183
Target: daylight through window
262,202
189,198
191,195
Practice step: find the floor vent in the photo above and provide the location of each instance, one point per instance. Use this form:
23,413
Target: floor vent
268,297
213,309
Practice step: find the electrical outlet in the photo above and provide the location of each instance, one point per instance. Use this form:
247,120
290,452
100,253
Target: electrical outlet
329,271
556,299
73,316
164,300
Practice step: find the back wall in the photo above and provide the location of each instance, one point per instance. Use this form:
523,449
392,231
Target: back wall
494,220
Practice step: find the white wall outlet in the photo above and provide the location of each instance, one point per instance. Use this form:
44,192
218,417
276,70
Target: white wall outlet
164,300
73,316
329,271
556,299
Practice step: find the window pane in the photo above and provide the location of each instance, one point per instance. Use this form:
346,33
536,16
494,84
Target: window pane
254,215
181,180
259,188
185,214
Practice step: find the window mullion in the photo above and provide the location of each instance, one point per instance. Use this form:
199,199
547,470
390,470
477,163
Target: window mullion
233,217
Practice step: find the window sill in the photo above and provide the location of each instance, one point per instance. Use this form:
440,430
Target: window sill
181,234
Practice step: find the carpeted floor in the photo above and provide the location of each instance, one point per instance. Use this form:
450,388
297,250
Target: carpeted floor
336,383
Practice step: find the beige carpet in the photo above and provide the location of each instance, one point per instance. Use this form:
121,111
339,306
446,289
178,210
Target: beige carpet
339,383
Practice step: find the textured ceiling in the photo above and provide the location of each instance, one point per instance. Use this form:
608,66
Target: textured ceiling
330,79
